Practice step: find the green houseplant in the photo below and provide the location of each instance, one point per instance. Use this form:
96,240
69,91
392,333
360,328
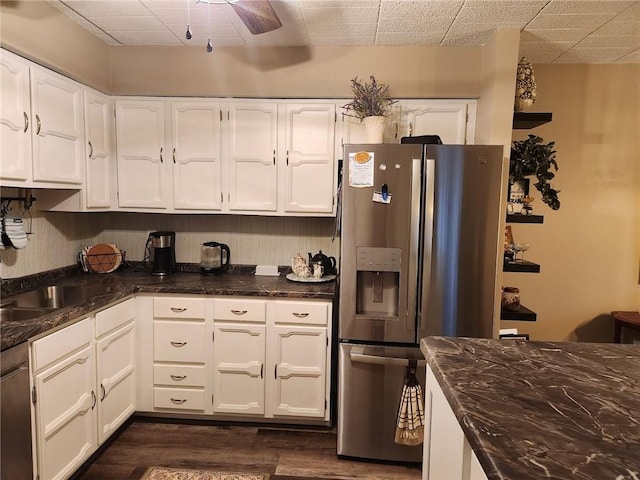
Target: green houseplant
370,99
533,157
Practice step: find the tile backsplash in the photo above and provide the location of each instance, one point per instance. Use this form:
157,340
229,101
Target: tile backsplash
58,237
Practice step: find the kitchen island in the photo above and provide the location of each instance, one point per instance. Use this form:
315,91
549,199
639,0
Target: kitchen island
537,410
238,281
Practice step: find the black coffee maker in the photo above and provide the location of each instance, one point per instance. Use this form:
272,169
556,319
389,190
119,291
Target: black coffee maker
164,252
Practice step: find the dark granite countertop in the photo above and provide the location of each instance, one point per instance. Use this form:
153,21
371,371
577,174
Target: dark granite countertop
539,410
127,282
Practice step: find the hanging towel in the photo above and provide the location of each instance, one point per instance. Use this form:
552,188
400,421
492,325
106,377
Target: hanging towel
410,422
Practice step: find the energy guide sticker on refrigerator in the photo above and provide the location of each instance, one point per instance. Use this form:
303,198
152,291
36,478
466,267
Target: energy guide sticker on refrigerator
420,241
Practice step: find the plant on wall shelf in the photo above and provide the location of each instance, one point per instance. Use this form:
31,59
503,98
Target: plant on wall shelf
370,99
532,157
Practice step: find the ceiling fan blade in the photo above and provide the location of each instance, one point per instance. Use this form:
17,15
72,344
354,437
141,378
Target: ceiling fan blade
257,15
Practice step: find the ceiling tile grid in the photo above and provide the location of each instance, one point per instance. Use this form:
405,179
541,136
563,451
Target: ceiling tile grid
552,31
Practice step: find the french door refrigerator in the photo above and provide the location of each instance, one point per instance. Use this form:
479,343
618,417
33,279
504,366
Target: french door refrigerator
419,247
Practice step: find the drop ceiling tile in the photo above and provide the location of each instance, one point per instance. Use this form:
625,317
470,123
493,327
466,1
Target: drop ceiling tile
404,38
480,12
612,41
619,28
593,55
146,38
200,33
342,30
130,24
107,39
475,38
585,6
176,15
107,8
633,57
339,15
398,16
548,48
558,35
591,21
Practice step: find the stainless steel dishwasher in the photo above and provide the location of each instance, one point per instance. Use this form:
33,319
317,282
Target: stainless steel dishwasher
15,419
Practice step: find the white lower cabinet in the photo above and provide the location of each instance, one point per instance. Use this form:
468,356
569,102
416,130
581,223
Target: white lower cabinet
84,388
447,453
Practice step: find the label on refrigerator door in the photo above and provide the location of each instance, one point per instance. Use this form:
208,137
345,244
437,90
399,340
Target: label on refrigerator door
361,169
381,197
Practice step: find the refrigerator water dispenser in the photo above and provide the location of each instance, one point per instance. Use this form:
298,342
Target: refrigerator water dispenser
378,281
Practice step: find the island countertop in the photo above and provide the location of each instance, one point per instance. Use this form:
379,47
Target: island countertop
538,410
122,284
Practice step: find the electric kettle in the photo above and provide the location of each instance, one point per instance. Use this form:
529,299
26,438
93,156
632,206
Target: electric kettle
214,257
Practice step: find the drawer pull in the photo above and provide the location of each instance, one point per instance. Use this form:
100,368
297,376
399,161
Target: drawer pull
178,309
93,399
178,378
178,401
178,344
238,312
300,315
261,369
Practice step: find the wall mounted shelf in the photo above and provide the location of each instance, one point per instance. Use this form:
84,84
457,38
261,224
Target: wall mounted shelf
523,314
519,218
521,266
526,120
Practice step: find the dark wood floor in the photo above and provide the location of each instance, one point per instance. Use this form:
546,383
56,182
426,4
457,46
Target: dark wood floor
284,453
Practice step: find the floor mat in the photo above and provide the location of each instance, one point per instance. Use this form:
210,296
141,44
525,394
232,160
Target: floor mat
164,473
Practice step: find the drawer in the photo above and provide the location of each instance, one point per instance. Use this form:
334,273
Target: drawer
58,345
179,307
306,313
115,316
180,375
179,341
240,310
178,398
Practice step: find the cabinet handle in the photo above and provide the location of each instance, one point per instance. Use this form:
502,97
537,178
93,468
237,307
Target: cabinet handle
300,315
174,154
287,158
178,344
261,369
178,401
238,312
275,371
178,378
161,150
104,393
93,396
90,149
410,129
178,309
26,121
274,156
38,125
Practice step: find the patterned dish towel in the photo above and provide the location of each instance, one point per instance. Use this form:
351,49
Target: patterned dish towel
410,423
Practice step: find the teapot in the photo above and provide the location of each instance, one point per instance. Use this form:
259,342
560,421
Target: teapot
328,263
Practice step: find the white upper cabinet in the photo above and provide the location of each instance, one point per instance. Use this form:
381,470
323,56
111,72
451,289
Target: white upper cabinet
196,156
452,120
309,143
58,140
100,171
140,133
15,119
253,134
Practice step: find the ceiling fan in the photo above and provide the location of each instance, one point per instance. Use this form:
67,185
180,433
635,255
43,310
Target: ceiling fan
258,15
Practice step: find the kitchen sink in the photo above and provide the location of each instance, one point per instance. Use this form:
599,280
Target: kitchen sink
18,314
53,297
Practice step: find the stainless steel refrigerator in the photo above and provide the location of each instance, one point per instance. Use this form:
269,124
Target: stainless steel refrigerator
419,248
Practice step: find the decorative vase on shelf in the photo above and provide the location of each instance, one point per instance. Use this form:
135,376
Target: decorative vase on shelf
375,128
525,86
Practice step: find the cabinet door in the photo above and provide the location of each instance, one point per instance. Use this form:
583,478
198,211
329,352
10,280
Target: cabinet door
100,151
115,363
252,157
309,141
298,363
15,119
238,375
140,134
448,120
196,156
58,141
66,415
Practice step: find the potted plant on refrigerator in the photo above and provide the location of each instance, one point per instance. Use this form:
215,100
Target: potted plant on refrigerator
532,157
370,105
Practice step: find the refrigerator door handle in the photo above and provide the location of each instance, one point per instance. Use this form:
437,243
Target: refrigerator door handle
414,244
427,239
374,359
